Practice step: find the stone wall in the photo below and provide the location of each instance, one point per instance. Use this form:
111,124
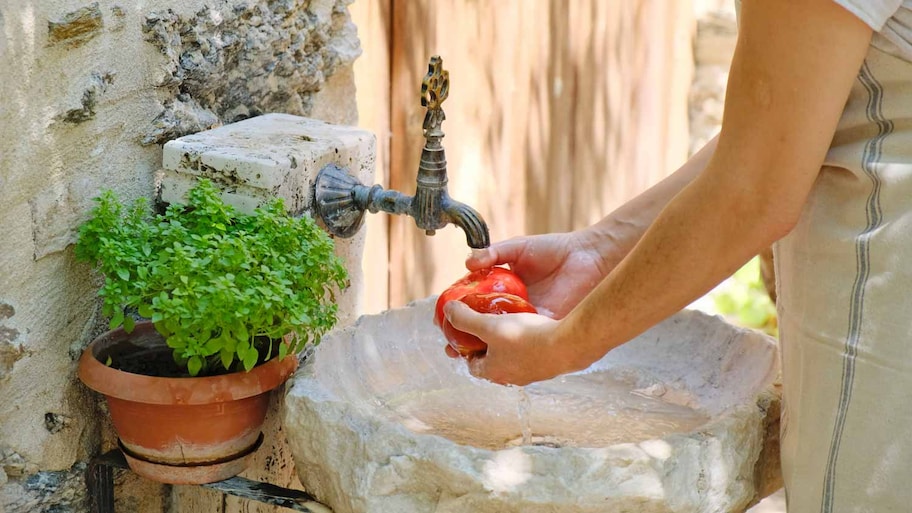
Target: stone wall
90,92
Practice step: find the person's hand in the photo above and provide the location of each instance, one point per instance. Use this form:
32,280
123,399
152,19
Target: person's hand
559,269
522,347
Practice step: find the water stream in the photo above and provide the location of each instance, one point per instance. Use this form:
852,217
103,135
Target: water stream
524,416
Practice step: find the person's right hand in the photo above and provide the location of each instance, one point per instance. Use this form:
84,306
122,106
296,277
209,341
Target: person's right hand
559,269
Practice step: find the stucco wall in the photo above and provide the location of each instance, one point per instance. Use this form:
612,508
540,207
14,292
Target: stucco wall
90,91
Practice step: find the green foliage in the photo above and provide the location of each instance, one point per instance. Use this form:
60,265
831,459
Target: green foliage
222,287
744,300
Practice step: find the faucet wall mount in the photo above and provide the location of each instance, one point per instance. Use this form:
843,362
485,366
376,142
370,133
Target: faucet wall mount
340,200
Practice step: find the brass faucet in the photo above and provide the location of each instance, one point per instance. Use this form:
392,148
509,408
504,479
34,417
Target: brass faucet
340,200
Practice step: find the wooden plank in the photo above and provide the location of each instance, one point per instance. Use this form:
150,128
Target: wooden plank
409,55
100,482
270,494
558,112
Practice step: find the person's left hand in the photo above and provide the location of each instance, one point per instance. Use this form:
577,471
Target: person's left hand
522,347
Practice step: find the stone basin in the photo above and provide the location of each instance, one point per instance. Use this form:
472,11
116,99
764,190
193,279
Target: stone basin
683,418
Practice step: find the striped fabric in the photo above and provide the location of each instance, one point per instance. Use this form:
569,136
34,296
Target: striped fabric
874,214
845,309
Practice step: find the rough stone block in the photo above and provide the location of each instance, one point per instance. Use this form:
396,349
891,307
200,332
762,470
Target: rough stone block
680,419
275,155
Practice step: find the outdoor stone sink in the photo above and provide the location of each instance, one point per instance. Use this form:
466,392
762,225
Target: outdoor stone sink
682,419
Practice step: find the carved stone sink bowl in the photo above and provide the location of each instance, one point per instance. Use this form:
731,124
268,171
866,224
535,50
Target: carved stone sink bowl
682,419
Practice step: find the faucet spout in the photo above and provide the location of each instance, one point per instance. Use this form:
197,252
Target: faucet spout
433,206
465,217
340,200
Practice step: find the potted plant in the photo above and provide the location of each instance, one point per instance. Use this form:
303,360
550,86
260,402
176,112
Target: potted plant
228,300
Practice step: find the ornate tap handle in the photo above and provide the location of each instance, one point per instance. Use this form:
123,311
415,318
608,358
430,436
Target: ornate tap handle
434,90
340,200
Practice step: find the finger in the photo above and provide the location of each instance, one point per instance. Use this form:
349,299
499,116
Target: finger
481,258
452,353
504,252
467,320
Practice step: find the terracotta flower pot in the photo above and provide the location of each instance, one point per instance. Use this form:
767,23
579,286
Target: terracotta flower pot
181,430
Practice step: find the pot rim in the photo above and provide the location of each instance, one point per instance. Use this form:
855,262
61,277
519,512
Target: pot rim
176,391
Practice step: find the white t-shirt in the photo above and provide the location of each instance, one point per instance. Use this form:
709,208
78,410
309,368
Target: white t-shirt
891,21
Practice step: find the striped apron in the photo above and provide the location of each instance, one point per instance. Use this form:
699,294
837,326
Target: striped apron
844,280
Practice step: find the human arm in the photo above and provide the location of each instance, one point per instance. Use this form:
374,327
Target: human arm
560,269
793,67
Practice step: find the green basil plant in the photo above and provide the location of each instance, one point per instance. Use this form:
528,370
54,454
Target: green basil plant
224,288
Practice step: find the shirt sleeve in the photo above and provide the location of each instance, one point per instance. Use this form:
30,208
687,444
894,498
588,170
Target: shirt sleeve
874,13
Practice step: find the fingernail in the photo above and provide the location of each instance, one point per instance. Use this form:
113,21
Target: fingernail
478,253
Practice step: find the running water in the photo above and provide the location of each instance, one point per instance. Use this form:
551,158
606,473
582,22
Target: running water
525,418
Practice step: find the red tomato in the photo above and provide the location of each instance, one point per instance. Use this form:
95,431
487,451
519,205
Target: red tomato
492,303
482,281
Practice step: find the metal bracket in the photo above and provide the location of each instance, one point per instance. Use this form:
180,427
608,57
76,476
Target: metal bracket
100,486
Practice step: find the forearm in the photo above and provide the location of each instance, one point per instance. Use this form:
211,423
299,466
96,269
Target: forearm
784,101
693,244
618,232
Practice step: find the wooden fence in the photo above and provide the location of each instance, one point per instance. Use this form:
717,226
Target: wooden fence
558,112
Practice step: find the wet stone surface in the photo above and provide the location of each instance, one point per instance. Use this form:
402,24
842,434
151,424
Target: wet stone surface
379,420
